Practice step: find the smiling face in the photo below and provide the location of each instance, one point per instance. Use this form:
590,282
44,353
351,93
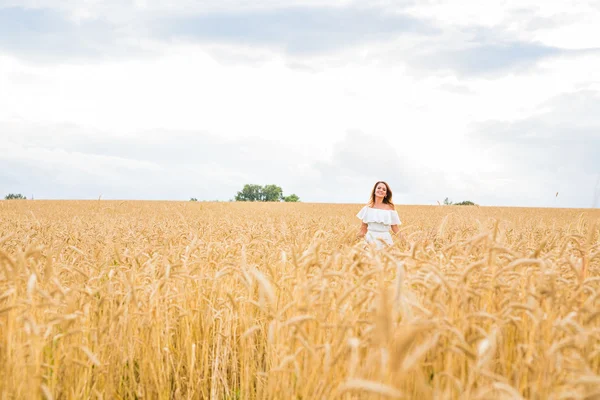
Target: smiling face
381,190
381,193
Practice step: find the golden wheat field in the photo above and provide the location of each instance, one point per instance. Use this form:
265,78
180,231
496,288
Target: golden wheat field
193,300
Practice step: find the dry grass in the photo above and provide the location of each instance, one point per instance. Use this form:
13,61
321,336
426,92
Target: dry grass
168,300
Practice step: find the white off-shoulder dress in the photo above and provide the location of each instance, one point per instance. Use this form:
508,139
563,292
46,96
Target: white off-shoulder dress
378,224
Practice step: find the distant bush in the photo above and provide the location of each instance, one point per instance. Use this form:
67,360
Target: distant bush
291,198
447,202
12,196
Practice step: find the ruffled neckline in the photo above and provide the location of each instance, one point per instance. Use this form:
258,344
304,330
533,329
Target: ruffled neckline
378,215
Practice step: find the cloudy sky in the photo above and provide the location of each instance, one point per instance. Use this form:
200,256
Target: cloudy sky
497,102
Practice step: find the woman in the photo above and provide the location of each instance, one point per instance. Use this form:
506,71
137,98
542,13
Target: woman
378,216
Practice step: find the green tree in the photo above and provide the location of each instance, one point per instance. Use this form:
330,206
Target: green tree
447,202
465,203
12,196
291,198
272,193
250,192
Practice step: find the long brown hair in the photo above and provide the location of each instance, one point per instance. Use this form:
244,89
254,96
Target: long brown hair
388,195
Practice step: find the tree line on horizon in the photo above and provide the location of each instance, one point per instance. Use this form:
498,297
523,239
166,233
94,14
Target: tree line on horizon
13,196
447,202
253,192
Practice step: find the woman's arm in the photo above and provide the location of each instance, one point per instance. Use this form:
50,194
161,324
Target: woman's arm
396,230
363,230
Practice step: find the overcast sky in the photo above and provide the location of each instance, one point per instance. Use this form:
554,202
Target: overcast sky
497,102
